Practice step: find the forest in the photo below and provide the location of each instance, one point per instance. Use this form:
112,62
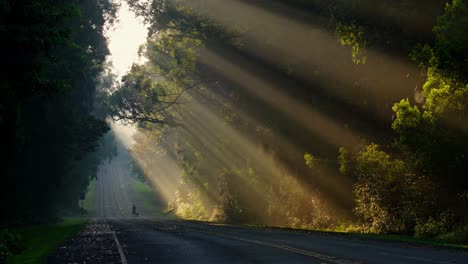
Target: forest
331,115
54,55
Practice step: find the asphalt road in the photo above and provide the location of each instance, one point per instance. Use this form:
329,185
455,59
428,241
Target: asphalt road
151,239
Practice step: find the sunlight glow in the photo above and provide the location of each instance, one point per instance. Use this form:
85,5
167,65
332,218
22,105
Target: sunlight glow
124,133
125,39
314,54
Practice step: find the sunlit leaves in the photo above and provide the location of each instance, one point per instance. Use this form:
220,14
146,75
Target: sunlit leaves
343,160
174,58
141,98
409,117
444,95
310,160
353,35
437,129
389,197
150,90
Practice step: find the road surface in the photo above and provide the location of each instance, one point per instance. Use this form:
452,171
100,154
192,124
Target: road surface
152,239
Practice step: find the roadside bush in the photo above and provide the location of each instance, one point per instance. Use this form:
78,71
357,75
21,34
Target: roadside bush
10,244
429,229
434,227
389,197
292,203
459,235
234,202
189,206
379,189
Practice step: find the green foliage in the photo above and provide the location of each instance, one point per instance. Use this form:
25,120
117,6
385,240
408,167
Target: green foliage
189,206
433,136
424,56
439,225
177,19
398,190
343,160
445,97
310,160
233,204
353,35
176,35
10,244
431,228
55,52
89,201
410,123
458,235
148,91
39,241
378,190
451,45
389,197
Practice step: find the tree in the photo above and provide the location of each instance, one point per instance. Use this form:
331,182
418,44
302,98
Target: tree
389,196
434,134
55,53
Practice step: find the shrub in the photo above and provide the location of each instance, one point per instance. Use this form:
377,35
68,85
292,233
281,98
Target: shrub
10,244
459,235
433,227
389,197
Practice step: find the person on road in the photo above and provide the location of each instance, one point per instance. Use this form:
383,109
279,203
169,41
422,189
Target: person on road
134,211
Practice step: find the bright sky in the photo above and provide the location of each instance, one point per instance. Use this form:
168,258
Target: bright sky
125,39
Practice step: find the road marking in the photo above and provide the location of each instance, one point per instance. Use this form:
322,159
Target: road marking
316,255
328,259
119,247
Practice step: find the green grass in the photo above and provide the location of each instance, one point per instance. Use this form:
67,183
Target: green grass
40,241
411,239
88,202
388,237
141,187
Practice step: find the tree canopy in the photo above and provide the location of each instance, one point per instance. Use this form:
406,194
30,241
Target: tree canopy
53,55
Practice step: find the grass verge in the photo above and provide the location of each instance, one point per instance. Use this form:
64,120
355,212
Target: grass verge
385,237
40,241
410,239
88,203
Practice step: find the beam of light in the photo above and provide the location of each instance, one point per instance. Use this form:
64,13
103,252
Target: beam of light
162,170
224,147
124,133
313,120
315,54
213,131
370,10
